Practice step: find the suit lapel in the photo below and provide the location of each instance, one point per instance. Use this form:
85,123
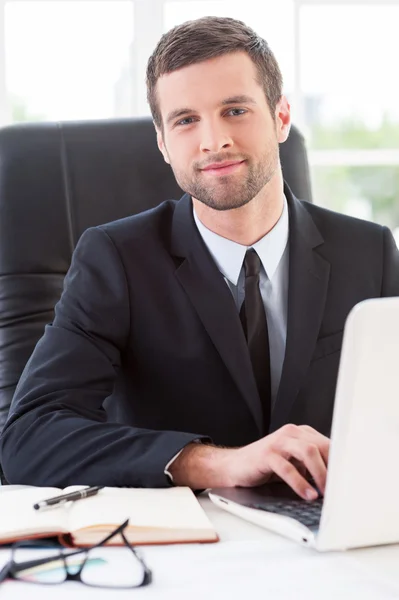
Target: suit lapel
214,303
308,282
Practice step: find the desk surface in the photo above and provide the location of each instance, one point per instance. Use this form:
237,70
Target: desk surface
248,562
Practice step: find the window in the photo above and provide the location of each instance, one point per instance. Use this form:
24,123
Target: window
348,75
350,108
366,192
67,60
78,59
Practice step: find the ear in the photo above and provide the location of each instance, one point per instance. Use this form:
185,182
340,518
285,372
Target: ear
161,146
283,119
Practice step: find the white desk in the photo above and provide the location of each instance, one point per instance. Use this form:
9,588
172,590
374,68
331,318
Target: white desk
248,562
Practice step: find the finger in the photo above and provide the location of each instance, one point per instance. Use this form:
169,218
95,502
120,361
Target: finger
325,452
310,456
323,442
299,467
309,429
288,473
301,431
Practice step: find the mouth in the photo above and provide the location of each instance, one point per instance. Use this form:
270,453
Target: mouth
223,169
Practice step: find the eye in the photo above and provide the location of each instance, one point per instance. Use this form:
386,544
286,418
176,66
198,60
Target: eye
240,111
185,121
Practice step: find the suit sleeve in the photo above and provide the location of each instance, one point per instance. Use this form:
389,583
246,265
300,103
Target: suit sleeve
390,277
57,432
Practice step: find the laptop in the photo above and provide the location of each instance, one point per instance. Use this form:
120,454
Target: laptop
361,502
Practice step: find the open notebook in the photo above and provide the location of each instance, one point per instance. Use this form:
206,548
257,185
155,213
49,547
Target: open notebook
156,516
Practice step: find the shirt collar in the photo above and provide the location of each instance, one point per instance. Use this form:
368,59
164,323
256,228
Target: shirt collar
229,255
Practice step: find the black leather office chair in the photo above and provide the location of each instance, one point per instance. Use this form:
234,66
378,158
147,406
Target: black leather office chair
58,179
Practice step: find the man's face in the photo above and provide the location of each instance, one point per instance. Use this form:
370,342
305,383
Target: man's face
215,112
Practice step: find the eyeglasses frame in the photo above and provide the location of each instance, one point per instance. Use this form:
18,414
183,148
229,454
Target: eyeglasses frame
12,568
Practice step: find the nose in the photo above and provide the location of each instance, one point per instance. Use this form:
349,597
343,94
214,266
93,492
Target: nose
214,137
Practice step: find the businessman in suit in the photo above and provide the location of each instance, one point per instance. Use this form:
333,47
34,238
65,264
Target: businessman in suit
198,343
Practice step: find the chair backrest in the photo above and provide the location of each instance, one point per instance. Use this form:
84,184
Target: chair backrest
58,179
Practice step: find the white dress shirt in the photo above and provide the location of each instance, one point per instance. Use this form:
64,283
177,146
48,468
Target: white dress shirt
273,252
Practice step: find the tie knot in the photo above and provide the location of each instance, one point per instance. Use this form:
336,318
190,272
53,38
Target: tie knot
251,263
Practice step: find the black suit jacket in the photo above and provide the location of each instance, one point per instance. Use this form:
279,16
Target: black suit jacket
146,351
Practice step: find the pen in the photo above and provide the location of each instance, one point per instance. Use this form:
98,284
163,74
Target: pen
71,497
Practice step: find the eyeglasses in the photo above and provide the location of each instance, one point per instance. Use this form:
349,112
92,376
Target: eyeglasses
116,568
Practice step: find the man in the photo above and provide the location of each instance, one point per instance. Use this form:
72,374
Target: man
216,319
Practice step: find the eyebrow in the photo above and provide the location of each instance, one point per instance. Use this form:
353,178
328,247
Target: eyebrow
240,99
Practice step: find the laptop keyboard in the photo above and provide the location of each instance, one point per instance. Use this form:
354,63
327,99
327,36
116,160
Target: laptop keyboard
307,513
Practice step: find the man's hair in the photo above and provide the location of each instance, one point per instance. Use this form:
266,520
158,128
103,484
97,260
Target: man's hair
201,39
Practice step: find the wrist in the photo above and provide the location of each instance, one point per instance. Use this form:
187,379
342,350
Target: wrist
202,466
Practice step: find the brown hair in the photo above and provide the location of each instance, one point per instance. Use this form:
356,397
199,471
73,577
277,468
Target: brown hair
201,39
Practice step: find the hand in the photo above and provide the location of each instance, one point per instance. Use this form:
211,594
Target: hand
287,453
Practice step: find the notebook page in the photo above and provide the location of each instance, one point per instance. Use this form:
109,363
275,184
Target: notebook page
162,507
18,517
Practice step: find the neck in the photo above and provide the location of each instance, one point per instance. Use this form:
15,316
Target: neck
247,224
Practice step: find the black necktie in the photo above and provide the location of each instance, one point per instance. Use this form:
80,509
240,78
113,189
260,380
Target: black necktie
253,319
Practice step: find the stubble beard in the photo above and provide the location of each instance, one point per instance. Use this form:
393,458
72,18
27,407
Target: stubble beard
230,192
